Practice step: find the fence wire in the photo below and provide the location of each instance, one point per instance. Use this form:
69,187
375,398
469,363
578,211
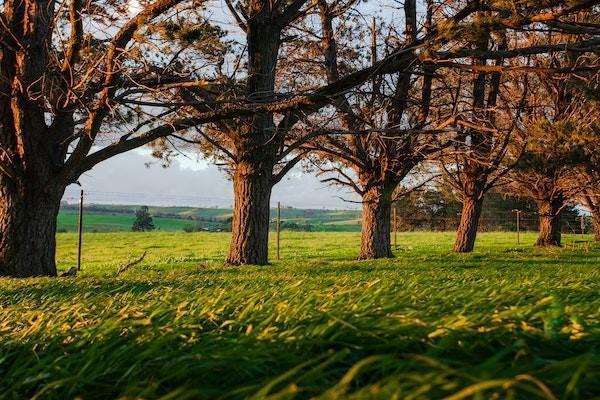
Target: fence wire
104,215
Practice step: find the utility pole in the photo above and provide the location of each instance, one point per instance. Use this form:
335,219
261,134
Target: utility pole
518,212
278,226
80,231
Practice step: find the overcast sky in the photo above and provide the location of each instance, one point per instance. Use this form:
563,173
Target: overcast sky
126,179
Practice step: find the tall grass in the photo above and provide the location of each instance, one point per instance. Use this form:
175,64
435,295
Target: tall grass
504,322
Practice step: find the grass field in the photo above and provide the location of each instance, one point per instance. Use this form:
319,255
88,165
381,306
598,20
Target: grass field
507,321
119,218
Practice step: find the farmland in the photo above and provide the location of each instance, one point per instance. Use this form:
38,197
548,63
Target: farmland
507,321
119,218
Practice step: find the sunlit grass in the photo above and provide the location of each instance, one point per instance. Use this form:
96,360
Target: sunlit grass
119,218
507,321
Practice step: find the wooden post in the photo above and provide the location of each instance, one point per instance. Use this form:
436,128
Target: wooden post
582,218
518,213
80,231
518,226
278,226
395,229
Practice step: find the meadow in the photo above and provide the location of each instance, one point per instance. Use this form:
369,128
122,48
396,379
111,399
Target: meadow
119,218
507,321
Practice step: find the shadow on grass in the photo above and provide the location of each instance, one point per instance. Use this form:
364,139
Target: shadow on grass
344,329
225,364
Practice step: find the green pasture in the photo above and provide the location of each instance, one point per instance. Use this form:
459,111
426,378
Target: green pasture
505,322
119,218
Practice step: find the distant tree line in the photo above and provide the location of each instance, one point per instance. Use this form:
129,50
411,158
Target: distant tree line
438,210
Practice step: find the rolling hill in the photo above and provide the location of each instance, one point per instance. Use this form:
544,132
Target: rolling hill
117,218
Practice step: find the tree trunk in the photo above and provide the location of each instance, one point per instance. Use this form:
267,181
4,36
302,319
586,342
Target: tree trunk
550,223
250,226
375,237
257,144
594,207
469,221
28,229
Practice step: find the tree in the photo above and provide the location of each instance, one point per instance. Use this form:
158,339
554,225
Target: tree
83,83
591,200
590,195
562,145
485,102
259,149
70,77
379,132
382,136
486,127
253,148
547,173
143,220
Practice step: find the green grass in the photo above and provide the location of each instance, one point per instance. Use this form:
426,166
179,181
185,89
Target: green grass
507,321
119,218
117,222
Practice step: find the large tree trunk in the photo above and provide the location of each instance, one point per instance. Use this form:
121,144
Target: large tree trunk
28,229
257,145
375,237
469,221
250,226
29,200
550,223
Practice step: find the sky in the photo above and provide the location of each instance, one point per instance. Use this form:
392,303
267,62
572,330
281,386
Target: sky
126,179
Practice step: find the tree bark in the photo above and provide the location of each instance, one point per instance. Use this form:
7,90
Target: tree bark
28,229
550,223
375,236
250,226
29,197
594,207
257,144
469,222
596,222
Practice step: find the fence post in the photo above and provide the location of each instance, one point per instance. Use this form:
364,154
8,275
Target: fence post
80,231
278,226
582,224
518,212
395,229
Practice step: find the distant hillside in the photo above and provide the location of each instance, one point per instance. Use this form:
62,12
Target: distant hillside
111,218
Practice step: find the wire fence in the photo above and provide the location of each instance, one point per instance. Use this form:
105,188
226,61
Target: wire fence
499,222
82,212
104,215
